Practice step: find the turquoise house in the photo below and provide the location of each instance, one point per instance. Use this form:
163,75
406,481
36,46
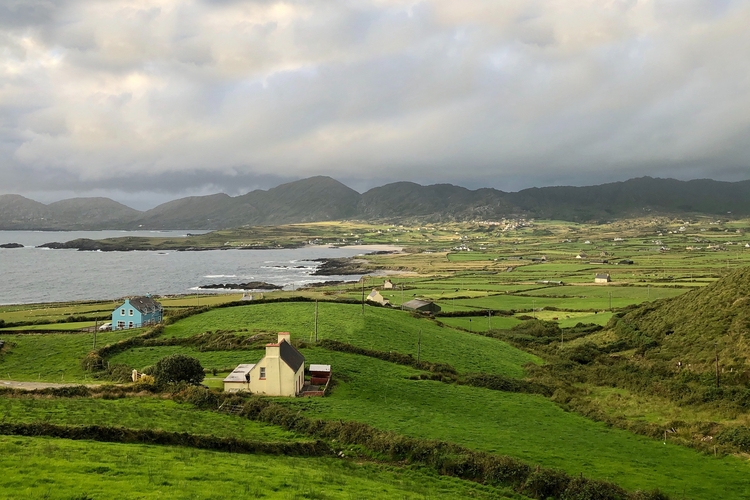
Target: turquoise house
136,312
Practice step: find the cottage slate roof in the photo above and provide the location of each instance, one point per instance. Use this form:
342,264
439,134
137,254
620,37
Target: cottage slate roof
145,304
290,355
602,276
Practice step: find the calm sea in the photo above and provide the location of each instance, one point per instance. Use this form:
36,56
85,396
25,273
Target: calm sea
31,274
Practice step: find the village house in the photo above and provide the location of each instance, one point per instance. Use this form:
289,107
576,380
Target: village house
602,278
281,372
387,285
137,312
375,296
419,305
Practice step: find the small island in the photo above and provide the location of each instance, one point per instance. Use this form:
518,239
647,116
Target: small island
11,245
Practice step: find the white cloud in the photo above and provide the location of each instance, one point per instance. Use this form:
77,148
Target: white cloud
485,92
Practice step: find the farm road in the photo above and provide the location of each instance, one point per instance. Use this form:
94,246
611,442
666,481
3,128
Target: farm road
30,386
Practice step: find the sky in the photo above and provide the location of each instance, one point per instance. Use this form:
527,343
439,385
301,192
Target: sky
147,101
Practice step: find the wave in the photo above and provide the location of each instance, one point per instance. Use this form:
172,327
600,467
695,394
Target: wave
220,276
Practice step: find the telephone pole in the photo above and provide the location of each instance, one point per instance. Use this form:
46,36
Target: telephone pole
363,295
316,321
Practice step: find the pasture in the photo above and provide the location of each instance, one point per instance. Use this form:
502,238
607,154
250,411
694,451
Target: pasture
65,469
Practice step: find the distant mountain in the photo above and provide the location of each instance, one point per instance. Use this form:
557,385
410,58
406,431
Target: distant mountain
306,200
17,212
322,198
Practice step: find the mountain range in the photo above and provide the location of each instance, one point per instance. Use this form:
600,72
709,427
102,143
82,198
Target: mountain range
323,198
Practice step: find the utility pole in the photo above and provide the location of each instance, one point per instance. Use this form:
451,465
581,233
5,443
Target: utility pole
648,291
96,328
363,295
489,320
470,330
716,350
533,308
610,301
316,321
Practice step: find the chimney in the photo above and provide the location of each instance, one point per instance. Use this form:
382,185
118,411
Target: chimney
285,336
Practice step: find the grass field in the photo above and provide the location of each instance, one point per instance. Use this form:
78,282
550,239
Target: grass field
380,329
53,357
64,469
525,426
139,413
520,425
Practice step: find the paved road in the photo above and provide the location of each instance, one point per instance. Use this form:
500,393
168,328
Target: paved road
37,385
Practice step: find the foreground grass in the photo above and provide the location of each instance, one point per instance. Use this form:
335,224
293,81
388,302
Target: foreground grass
72,469
525,426
139,413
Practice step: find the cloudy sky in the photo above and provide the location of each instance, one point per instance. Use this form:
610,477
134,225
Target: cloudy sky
149,100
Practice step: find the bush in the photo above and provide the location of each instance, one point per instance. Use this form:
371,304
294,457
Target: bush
178,368
737,436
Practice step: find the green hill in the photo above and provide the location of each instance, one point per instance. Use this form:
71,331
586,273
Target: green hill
685,328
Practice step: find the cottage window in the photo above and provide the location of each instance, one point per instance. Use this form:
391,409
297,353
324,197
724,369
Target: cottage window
130,324
122,312
130,313
262,372
120,325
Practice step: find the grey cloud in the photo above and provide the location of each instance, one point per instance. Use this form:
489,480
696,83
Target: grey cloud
185,96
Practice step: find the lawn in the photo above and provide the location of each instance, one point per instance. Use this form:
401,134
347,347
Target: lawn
65,469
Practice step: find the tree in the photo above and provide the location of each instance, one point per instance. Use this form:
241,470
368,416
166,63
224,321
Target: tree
178,368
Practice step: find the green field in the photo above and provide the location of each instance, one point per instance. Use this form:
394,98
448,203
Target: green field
64,469
53,357
139,413
379,329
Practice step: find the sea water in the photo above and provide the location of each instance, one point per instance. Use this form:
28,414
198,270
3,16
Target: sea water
30,274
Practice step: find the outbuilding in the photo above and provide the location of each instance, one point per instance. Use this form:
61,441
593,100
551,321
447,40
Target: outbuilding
602,278
420,305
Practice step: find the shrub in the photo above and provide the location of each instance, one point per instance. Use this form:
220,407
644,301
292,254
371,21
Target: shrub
736,436
178,368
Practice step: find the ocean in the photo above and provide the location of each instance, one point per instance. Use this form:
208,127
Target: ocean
30,275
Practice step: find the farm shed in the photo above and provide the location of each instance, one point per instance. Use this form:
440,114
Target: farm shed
602,278
419,305
320,374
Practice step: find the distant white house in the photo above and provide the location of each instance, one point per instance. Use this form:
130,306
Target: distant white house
581,255
375,296
602,278
387,284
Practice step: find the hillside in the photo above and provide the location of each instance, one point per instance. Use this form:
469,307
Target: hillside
686,327
323,199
